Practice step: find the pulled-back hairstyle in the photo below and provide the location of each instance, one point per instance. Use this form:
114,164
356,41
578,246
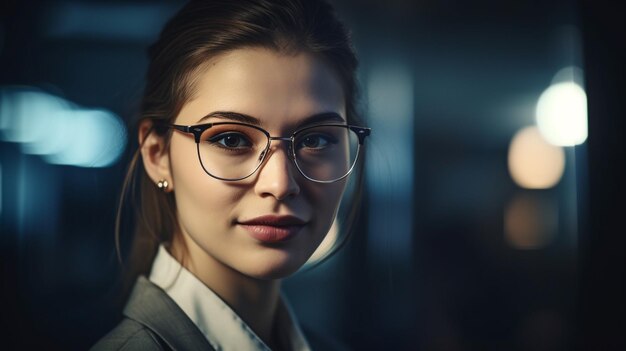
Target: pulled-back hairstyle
198,32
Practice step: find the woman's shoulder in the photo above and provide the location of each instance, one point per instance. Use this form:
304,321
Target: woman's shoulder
153,321
130,335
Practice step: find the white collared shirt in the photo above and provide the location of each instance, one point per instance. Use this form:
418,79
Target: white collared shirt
222,327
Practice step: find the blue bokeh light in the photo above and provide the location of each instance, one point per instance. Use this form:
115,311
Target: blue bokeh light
93,138
26,115
60,131
390,167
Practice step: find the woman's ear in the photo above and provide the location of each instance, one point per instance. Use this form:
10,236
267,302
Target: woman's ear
155,156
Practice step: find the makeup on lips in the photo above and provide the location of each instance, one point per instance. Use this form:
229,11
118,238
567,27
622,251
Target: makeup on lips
272,228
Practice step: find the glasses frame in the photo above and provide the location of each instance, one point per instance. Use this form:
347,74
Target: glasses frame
197,130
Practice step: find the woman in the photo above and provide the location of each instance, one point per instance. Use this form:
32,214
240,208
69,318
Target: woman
248,132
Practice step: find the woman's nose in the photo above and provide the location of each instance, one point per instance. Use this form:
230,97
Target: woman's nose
277,176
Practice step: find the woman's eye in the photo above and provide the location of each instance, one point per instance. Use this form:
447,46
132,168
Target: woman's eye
231,140
314,141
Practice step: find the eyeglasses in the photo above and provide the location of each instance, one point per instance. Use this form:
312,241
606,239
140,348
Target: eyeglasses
232,151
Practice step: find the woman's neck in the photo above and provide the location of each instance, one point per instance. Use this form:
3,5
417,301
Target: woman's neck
254,300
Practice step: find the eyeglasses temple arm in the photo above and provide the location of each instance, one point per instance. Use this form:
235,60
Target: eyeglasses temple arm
195,130
361,132
184,129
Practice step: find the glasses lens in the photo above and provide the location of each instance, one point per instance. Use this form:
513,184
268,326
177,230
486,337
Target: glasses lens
326,153
231,151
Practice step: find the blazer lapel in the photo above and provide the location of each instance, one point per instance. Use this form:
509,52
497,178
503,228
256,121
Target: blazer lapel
151,306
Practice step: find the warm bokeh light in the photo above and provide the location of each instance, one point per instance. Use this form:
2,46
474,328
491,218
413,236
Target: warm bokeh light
533,162
562,114
530,222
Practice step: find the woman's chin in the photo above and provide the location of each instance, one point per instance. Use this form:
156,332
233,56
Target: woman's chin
273,268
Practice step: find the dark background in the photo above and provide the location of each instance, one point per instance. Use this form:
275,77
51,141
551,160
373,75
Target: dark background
446,85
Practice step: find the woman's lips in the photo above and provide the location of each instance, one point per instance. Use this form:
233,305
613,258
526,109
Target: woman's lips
273,229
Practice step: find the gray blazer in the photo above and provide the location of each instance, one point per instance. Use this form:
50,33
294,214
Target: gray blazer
153,321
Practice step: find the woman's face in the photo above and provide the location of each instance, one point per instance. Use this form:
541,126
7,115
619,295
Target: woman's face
220,220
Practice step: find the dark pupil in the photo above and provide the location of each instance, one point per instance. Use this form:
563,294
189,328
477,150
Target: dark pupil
311,142
232,140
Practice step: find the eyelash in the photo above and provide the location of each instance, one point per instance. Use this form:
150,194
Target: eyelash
215,141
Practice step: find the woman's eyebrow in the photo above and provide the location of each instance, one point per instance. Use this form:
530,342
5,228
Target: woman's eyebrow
233,116
321,118
241,117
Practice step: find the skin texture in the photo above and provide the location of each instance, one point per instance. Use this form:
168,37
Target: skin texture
281,91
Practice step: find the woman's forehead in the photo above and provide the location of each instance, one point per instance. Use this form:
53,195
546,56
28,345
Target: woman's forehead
273,87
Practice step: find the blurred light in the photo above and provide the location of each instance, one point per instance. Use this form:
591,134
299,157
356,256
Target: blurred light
94,138
27,115
52,132
326,245
61,132
530,222
390,97
562,114
390,92
533,162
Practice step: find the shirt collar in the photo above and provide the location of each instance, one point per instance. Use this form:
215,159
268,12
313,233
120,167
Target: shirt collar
222,327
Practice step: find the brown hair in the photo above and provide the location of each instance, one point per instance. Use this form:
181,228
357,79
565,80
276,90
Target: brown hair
199,31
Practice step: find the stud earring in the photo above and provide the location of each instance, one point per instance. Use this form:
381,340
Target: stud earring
163,184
